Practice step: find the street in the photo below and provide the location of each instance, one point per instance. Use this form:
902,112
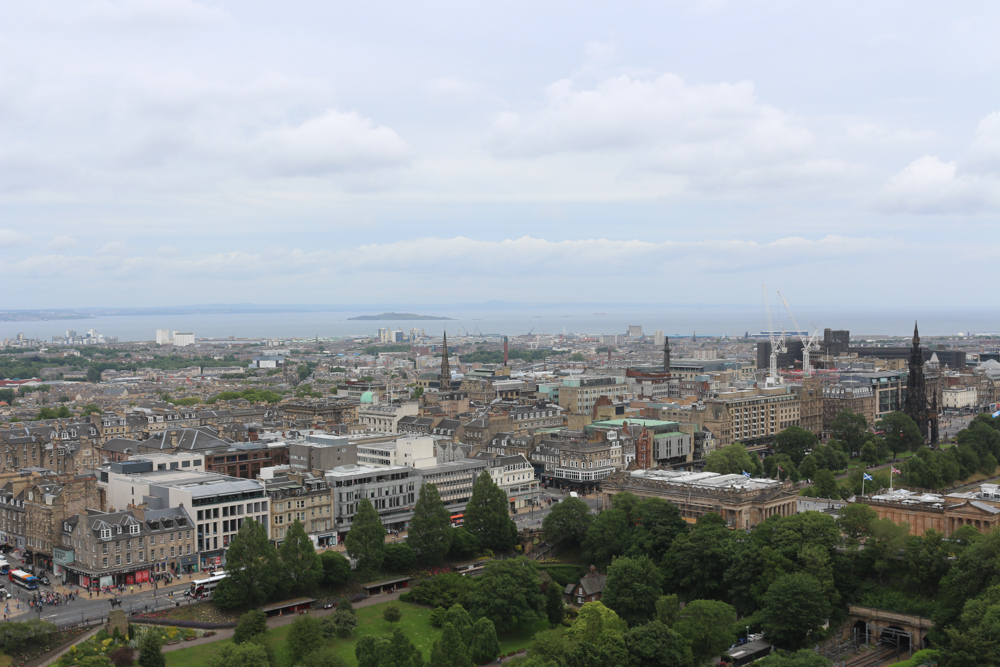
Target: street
533,518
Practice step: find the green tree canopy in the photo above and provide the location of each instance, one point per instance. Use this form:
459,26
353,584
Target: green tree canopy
795,606
659,523
252,569
508,593
555,608
733,460
656,645
365,540
450,650
251,624
900,433
593,621
487,515
150,652
246,654
607,536
567,522
709,626
632,588
696,564
795,442
304,637
301,566
430,529
336,568
851,429
484,645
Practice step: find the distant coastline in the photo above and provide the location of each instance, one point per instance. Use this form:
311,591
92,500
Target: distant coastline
399,316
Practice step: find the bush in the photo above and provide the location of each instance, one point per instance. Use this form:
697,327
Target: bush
444,590
438,616
399,557
122,656
406,597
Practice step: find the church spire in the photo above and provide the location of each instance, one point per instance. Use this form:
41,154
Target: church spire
916,335
444,379
666,354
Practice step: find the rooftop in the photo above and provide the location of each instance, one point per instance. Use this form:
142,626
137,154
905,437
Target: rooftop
708,480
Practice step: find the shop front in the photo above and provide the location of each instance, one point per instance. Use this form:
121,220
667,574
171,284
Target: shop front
211,560
187,564
60,559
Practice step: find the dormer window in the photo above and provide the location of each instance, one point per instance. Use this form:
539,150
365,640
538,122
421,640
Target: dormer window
133,529
119,530
105,533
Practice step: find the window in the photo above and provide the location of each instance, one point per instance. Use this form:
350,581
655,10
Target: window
118,560
134,529
105,535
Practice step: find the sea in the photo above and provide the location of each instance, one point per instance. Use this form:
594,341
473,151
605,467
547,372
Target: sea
688,320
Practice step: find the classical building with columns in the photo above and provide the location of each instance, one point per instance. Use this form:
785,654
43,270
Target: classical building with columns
742,501
945,514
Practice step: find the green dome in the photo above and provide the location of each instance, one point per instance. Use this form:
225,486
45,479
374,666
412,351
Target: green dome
368,397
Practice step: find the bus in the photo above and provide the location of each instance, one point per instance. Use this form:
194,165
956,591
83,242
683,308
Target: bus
23,579
4,566
203,587
457,520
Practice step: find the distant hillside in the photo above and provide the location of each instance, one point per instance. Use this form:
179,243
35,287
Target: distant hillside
399,316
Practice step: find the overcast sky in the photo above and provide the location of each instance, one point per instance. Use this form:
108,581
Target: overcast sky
157,152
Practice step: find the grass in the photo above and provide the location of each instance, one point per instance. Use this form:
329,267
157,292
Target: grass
415,624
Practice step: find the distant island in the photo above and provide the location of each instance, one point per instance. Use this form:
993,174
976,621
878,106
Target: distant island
399,316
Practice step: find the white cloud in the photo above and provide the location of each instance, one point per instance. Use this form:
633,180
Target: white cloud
715,136
875,134
115,248
62,242
10,238
967,186
334,141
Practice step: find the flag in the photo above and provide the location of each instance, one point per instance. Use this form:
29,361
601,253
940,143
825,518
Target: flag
867,476
781,469
746,474
894,471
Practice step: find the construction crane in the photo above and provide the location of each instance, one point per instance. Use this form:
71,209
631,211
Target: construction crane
808,342
777,343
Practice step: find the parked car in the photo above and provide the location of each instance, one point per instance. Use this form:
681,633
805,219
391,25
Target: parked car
4,593
43,580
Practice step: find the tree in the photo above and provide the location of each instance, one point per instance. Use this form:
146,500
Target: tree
484,645
869,452
508,594
252,569
668,607
826,484
430,530
594,620
336,568
150,654
794,442
567,522
8,395
794,607
301,566
89,409
487,515
450,650
849,428
656,645
696,564
365,540
463,544
14,636
733,460
555,608
399,557
247,654
250,625
304,637
659,523
609,535
855,520
708,625
901,433
342,621
460,619
632,588
392,614
322,658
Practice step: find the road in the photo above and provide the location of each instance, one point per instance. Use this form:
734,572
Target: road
533,517
87,607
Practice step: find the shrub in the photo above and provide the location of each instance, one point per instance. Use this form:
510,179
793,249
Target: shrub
437,617
122,656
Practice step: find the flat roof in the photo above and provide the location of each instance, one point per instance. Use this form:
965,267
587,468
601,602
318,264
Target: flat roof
639,422
709,480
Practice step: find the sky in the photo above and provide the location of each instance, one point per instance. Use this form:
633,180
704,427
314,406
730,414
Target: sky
165,152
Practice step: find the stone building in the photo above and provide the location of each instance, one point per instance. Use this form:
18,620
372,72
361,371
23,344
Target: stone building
943,513
48,500
741,501
305,498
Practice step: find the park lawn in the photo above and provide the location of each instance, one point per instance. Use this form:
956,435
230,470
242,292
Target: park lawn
416,624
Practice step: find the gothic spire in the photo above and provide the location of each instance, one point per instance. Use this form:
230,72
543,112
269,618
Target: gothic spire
666,354
916,335
444,379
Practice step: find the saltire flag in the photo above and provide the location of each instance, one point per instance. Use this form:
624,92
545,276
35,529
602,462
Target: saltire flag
867,476
895,472
746,474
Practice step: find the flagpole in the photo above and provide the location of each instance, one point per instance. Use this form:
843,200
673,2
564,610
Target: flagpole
862,485
890,477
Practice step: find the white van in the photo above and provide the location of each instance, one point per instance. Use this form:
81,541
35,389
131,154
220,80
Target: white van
574,494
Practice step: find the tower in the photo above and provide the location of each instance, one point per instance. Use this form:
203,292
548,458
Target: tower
916,390
666,354
444,379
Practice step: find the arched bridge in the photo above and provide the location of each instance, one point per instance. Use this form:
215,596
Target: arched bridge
868,624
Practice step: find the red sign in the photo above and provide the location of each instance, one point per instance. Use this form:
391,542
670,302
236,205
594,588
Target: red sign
141,576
